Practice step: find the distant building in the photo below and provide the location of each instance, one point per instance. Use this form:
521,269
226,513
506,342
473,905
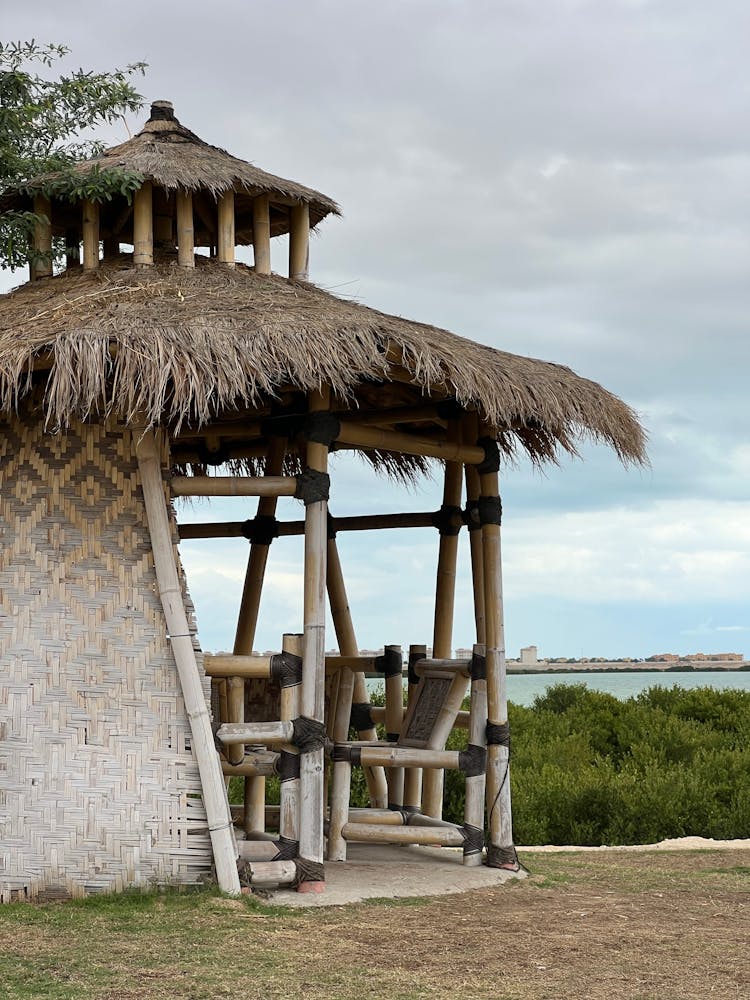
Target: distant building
529,657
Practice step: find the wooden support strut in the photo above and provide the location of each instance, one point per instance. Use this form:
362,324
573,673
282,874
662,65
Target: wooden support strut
170,592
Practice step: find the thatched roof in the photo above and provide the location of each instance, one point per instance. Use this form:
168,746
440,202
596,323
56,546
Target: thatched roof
173,157
184,346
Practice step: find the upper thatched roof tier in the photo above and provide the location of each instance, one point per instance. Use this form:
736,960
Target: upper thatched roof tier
173,157
185,347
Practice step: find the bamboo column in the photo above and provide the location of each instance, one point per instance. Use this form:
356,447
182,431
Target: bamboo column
289,813
170,592
313,670
262,234
299,242
471,431
445,590
475,783
90,236
255,800
41,241
143,225
185,228
226,239
500,852
394,717
413,775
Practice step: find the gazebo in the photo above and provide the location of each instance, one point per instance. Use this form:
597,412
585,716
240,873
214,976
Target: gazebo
146,371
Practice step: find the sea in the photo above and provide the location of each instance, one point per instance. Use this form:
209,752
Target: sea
524,688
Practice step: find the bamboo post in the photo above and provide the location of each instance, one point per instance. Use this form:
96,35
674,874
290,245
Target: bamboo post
41,241
313,670
163,220
289,815
394,717
248,620
299,242
500,852
262,234
185,228
90,235
143,225
170,592
445,590
475,784
413,775
226,240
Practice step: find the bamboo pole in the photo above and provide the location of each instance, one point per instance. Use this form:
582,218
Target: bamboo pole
234,486
258,763
445,592
299,242
368,522
391,756
41,241
413,775
394,717
271,872
313,671
170,592
477,565
498,777
185,228
226,238
143,225
262,234
266,733
90,235
438,836
226,665
289,816
387,816
409,444
235,752
476,784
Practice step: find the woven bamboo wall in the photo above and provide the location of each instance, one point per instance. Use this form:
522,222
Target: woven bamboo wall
98,786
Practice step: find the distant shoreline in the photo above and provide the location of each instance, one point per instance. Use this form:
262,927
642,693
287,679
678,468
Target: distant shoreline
628,668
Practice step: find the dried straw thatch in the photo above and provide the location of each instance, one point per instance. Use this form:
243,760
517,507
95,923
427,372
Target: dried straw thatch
185,346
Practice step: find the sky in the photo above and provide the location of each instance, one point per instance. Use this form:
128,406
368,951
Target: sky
565,179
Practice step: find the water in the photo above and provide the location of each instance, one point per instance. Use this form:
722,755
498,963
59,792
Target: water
523,688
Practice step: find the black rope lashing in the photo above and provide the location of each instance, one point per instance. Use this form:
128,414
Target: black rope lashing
414,659
261,529
361,717
346,753
312,486
309,735
287,766
331,527
322,428
392,737
473,839
288,849
448,520
390,663
286,668
502,857
309,871
478,667
491,462
471,515
490,510
473,760
498,734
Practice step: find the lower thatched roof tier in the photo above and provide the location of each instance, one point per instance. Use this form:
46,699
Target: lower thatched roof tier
184,347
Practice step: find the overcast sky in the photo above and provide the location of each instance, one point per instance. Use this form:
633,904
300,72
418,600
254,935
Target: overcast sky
559,178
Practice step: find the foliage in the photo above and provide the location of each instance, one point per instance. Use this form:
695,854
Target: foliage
42,130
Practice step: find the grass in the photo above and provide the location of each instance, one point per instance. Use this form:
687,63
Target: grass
641,926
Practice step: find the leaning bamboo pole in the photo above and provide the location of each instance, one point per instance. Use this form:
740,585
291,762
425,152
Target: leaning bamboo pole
312,704
445,591
501,852
170,592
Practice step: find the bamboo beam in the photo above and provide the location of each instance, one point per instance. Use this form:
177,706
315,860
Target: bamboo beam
185,228
395,415
409,444
389,755
438,836
299,242
170,593
260,763
231,665
313,672
234,486
498,779
271,872
226,238
41,240
262,234
367,522
90,235
143,225
266,733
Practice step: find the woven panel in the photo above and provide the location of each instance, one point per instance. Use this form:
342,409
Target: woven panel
98,786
